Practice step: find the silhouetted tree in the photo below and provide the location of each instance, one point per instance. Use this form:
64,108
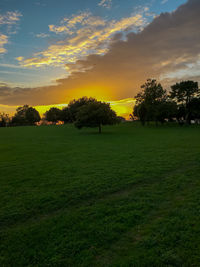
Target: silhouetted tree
95,114
76,104
140,111
166,110
148,101
183,93
53,115
194,108
66,115
26,116
4,120
181,114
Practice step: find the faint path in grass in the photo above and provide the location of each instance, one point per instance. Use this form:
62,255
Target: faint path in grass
87,201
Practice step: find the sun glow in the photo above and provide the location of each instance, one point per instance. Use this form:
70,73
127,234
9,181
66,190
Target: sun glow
122,107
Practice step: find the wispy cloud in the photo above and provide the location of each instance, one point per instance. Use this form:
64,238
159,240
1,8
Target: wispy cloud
42,35
8,21
164,1
11,66
10,17
83,34
170,44
3,41
105,3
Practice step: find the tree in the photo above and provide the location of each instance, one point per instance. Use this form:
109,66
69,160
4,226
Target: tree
151,93
148,101
166,110
183,93
54,115
66,115
4,120
140,111
194,107
26,116
76,104
95,114
32,116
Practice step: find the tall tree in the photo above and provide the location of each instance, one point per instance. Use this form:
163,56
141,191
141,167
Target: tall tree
183,93
148,100
95,114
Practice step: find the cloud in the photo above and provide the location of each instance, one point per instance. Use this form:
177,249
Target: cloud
8,20
85,34
169,44
164,1
42,35
105,3
12,66
3,41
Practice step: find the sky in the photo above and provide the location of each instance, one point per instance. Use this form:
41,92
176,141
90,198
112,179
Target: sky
54,51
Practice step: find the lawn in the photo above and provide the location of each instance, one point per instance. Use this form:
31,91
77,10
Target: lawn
127,197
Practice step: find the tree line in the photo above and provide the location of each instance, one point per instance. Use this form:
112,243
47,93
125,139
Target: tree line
84,112
153,103
181,103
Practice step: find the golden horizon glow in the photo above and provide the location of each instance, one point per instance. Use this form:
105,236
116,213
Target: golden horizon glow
122,107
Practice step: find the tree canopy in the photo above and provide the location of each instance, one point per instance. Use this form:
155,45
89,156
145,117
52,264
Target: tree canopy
4,120
183,93
66,115
149,101
76,104
26,115
53,115
95,114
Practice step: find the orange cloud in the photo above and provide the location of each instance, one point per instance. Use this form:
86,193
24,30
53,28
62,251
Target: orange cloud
156,52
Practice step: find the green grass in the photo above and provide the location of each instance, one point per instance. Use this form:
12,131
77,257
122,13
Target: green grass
128,197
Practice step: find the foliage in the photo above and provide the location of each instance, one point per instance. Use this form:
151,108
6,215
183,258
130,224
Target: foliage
166,110
4,120
95,114
66,115
153,104
149,100
184,91
140,111
152,92
53,115
26,115
76,104
126,198
194,108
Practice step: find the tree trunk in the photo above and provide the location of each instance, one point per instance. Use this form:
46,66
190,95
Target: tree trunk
99,128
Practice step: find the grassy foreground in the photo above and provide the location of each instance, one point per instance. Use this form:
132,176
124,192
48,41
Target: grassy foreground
128,197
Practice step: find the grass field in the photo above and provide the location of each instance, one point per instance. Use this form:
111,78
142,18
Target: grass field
128,197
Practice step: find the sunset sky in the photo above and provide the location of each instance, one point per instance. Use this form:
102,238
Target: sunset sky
54,51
